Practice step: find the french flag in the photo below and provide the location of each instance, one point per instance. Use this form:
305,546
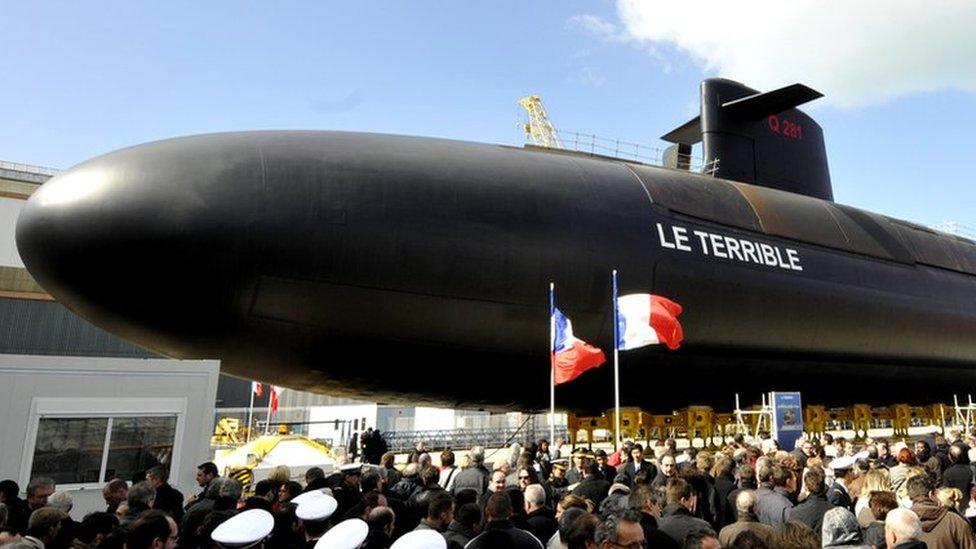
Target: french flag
571,356
647,319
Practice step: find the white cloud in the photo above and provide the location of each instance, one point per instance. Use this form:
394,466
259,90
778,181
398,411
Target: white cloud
596,26
857,53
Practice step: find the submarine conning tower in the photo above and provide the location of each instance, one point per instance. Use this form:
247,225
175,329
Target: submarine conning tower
758,138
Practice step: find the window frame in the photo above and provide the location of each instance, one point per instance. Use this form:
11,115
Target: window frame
97,408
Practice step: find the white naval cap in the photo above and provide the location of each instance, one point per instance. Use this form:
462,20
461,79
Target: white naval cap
305,496
318,507
862,455
842,463
682,458
244,529
420,539
348,534
351,468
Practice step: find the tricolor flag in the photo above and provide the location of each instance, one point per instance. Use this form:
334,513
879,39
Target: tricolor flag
273,402
570,356
647,319
257,388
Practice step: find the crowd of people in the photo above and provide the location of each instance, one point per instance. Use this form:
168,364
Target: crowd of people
823,493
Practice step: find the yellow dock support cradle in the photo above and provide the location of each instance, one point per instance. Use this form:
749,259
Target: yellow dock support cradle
713,427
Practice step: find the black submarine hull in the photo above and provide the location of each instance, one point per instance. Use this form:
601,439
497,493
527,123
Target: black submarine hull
404,269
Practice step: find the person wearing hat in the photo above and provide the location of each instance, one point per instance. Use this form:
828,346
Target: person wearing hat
576,473
557,479
244,530
348,494
313,511
420,539
838,494
348,534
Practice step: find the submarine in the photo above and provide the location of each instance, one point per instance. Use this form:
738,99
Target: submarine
416,270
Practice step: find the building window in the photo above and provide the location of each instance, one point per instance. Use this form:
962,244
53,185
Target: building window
93,450
69,450
138,443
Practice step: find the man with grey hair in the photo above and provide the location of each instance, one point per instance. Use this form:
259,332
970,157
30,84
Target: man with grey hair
747,521
43,527
38,490
139,500
61,501
902,530
222,494
474,477
620,530
540,520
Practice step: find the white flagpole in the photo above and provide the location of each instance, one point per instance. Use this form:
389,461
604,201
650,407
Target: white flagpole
250,414
552,367
616,370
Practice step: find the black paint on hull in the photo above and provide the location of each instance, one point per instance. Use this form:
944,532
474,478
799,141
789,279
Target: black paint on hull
405,269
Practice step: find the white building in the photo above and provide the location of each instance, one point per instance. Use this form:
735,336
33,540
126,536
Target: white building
83,421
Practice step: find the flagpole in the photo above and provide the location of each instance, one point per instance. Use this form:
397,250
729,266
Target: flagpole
552,367
250,414
616,369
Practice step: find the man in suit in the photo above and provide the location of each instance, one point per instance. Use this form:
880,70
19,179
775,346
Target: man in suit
607,471
168,499
593,486
637,464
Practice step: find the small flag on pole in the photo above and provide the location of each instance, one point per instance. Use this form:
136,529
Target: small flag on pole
571,355
257,388
647,319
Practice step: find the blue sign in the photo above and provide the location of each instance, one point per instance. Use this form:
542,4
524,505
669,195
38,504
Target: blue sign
787,419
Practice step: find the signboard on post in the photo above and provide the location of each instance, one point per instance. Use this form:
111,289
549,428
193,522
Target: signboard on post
787,419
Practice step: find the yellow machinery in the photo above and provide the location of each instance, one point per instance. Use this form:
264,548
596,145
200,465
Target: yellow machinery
539,128
703,422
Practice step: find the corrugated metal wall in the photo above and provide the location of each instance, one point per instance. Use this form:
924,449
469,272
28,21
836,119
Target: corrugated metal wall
33,327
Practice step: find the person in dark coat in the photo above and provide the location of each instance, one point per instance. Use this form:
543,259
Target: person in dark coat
724,484
464,527
168,499
18,512
773,504
607,471
206,473
593,487
380,522
959,475
645,501
540,520
637,463
812,509
499,529
838,494
679,520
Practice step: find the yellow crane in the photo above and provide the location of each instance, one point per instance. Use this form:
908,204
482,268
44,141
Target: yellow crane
539,127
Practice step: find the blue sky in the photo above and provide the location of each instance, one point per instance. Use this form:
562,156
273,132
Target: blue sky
81,79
